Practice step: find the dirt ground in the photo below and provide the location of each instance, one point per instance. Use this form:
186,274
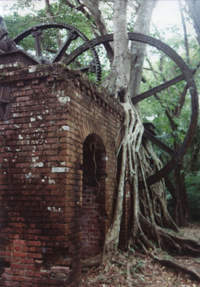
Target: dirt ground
135,269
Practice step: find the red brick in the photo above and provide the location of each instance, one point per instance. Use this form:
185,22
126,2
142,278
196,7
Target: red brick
18,248
41,206
11,284
32,249
19,254
26,285
23,99
34,243
60,269
18,278
17,266
22,273
35,255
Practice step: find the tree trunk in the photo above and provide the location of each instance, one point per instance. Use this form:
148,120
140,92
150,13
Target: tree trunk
194,11
138,50
50,16
3,26
120,69
150,202
93,7
181,206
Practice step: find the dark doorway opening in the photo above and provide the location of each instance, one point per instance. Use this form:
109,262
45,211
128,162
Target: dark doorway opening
93,213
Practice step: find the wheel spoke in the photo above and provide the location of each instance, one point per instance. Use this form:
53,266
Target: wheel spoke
83,69
157,142
71,57
157,89
36,34
186,75
72,35
89,68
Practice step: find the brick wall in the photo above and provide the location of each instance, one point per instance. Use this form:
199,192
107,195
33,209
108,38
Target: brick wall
41,176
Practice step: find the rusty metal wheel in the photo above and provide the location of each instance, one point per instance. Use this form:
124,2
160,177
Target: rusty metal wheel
93,66
186,74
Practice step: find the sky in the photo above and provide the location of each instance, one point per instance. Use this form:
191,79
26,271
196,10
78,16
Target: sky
165,14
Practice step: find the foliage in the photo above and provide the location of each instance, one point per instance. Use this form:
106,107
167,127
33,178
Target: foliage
16,23
193,183
159,68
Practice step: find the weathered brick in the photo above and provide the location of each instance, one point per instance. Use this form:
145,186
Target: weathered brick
60,269
19,254
34,243
40,208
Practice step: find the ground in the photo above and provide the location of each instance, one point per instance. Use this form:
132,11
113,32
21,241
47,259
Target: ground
135,269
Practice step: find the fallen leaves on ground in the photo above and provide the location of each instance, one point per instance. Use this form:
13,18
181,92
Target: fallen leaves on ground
135,269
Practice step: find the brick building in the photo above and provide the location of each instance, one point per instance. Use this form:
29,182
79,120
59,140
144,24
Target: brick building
57,174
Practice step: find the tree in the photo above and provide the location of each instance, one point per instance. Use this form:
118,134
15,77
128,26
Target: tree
150,218
174,111
194,10
3,24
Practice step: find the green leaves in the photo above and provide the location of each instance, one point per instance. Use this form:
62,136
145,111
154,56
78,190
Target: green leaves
192,184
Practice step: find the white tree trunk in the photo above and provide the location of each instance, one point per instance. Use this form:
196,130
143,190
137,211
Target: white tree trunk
120,69
194,11
3,25
132,127
138,50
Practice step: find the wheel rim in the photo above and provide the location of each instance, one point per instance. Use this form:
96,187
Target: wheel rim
64,47
187,75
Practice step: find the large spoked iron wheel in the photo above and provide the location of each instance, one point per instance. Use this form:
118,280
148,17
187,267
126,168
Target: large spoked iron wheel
186,75
74,34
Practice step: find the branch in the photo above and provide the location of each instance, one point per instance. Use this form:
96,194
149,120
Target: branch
161,62
81,9
167,110
176,112
182,96
132,5
141,25
194,7
169,263
93,7
50,16
170,186
185,35
97,24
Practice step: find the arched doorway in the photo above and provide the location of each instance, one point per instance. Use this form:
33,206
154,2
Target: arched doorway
93,214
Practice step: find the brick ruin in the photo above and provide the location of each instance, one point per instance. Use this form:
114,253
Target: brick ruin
58,174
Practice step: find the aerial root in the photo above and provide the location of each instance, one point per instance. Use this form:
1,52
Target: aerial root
92,261
171,239
150,217
179,267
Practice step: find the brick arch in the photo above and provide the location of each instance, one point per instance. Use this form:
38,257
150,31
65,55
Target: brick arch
93,213
90,127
